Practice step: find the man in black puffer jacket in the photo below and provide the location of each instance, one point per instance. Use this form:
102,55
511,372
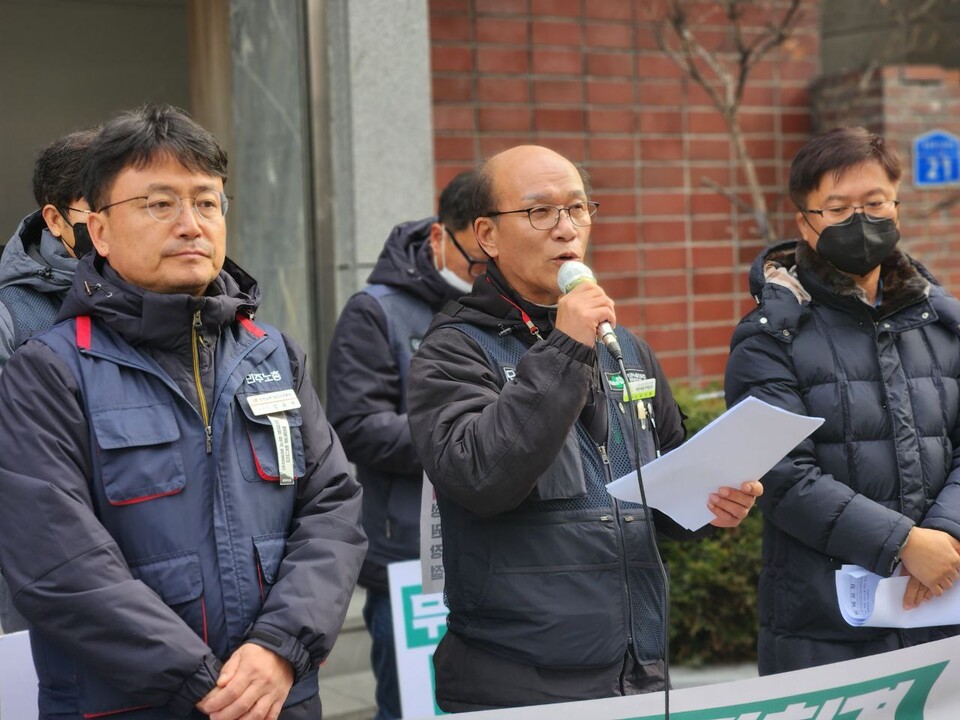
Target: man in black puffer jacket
850,328
423,264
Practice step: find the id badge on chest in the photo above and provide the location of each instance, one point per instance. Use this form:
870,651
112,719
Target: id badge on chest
274,406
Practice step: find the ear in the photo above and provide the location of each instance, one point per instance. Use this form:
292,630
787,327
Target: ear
436,238
487,235
53,219
806,232
97,227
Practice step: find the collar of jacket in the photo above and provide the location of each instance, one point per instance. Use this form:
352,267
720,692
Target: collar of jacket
903,283
907,287
406,263
166,321
36,259
495,304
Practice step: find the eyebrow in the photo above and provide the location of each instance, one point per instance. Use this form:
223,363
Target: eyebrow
154,187
539,197
846,198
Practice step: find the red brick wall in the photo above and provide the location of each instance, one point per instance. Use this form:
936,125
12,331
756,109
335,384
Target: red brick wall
586,78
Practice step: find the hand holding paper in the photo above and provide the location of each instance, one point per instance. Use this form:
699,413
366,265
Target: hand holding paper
731,505
868,600
740,445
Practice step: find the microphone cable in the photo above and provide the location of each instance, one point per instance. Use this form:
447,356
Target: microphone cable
651,531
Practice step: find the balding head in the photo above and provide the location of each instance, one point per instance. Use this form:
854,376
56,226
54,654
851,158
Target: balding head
503,163
521,178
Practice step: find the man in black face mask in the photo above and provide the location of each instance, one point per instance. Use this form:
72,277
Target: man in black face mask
38,264
850,328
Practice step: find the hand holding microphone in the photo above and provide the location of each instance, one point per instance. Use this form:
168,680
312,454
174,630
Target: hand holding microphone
585,312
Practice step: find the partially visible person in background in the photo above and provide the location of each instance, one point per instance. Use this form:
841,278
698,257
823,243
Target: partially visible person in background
423,264
38,263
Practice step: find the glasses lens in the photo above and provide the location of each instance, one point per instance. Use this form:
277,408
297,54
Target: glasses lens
211,205
884,210
582,214
163,206
544,217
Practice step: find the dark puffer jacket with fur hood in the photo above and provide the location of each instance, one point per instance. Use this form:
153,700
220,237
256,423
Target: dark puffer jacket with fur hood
887,381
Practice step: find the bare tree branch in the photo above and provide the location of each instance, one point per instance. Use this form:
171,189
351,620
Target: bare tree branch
728,78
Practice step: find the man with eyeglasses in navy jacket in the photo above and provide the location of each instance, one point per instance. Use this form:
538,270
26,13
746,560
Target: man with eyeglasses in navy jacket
180,527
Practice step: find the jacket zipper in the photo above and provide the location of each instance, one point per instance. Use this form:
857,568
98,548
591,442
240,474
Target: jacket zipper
196,339
623,546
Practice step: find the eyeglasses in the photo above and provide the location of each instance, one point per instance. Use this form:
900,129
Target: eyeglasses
872,211
546,217
165,206
475,268
73,209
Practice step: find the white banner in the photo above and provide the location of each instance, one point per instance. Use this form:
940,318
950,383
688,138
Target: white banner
18,680
919,683
419,621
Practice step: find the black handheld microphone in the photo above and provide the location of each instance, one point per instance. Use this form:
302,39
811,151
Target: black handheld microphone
571,274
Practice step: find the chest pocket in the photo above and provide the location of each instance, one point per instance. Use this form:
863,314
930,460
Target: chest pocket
139,455
257,446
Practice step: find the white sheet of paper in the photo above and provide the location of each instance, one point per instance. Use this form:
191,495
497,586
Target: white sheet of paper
742,444
868,600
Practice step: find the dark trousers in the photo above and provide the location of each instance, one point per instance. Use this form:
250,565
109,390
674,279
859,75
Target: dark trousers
383,659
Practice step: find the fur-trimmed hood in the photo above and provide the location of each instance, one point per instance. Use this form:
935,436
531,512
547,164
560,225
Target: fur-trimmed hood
904,280
786,277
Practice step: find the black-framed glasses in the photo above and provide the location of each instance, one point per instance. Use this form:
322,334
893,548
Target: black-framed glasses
475,268
546,217
874,211
165,206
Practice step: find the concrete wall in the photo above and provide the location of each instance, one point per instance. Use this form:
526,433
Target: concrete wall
857,32
381,132
68,65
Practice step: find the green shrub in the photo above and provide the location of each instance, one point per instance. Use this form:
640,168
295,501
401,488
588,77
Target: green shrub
713,582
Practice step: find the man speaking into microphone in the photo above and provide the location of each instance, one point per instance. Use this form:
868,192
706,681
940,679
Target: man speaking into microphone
518,417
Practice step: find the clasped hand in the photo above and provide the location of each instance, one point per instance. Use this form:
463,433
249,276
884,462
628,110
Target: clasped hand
253,685
932,560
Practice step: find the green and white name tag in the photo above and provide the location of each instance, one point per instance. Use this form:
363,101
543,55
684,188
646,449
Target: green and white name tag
273,402
641,389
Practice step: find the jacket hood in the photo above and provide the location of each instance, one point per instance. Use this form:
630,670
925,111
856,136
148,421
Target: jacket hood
406,263
796,267
144,317
36,259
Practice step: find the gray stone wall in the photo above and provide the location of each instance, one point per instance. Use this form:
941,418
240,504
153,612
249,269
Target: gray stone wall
381,130
267,225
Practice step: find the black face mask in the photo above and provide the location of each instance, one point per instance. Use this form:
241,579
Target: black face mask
82,244
860,246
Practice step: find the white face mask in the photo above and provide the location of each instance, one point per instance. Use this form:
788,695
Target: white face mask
449,276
